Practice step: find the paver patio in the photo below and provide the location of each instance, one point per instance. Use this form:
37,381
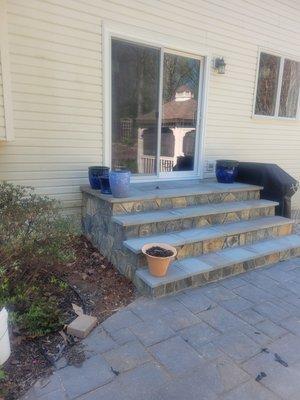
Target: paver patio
206,343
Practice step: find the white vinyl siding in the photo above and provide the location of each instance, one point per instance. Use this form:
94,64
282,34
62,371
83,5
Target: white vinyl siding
2,122
56,71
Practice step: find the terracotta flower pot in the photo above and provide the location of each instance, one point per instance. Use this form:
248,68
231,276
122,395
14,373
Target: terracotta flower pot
158,266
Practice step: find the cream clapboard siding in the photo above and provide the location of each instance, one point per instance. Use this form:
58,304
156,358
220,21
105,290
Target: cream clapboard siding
56,63
2,122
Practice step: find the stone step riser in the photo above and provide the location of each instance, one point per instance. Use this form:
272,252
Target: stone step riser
215,274
220,243
183,201
153,228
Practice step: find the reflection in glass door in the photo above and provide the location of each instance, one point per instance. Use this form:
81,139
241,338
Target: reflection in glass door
135,96
179,113
154,110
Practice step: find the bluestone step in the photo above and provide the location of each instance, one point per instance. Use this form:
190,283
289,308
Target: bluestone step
189,212
196,271
209,233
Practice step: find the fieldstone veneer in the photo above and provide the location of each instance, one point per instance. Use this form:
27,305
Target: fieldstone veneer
203,220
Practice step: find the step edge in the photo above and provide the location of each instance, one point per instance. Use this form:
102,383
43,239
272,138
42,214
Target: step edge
116,218
218,234
212,268
114,200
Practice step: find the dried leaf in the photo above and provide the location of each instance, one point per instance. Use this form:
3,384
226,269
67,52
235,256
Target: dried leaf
77,309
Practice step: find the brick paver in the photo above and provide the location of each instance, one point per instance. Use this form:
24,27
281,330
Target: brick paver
206,343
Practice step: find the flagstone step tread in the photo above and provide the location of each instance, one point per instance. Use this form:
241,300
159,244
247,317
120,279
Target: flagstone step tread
193,266
206,233
190,212
150,191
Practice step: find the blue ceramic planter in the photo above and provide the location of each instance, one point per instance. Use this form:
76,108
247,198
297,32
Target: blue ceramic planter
226,171
95,173
120,183
105,186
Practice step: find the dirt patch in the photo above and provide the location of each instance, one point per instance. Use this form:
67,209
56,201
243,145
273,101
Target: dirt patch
157,251
90,282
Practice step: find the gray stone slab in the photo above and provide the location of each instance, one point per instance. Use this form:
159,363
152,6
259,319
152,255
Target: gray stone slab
236,254
151,310
122,319
271,311
218,293
180,319
140,382
48,385
136,244
127,356
221,319
256,335
209,351
251,316
250,391
260,280
221,375
152,332
174,273
237,345
178,357
233,282
188,387
195,301
57,395
292,324
275,245
236,304
253,293
99,342
194,265
94,373
111,391
122,336
271,329
199,334
288,347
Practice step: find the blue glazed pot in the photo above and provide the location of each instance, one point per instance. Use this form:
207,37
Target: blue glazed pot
120,183
105,186
95,173
226,171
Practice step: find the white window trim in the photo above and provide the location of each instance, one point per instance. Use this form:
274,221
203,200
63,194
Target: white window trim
282,56
6,76
146,37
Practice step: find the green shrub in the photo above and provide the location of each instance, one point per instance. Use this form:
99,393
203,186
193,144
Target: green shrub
33,237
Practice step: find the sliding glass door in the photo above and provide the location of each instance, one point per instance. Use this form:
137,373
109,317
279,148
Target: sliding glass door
155,117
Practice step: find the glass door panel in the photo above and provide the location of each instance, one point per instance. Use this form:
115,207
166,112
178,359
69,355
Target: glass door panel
135,99
179,113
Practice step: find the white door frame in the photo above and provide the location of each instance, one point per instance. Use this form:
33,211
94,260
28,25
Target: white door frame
170,44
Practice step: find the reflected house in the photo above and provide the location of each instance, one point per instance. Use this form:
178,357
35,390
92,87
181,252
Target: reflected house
177,135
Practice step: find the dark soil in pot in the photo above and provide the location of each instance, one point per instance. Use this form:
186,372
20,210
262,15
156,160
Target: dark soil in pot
157,251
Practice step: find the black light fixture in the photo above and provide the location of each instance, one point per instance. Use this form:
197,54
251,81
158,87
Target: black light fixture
220,65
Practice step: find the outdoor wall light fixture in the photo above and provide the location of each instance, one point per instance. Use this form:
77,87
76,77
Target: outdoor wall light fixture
220,65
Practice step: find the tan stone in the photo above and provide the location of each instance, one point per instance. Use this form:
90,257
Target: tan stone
179,202
82,326
284,230
185,251
213,245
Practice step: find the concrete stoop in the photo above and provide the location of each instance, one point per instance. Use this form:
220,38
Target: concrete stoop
218,230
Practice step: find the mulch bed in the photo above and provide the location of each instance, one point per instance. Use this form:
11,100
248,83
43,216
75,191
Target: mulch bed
94,285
